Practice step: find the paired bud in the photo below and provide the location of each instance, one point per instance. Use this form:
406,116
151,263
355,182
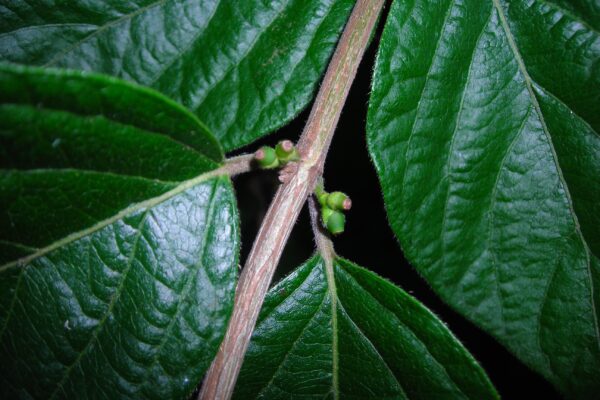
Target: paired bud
332,207
268,157
286,151
321,196
333,220
339,201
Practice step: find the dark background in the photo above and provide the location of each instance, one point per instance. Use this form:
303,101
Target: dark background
368,239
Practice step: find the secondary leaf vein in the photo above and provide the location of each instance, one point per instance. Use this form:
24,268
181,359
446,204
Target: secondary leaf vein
103,28
108,312
529,84
152,202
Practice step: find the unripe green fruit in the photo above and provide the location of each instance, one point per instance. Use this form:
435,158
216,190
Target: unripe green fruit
335,222
286,151
338,201
332,205
325,214
323,199
266,157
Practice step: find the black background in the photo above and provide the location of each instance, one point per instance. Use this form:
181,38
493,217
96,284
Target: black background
368,239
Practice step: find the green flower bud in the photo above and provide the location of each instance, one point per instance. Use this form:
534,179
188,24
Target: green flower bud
339,201
323,199
286,151
325,214
332,207
266,157
321,195
335,222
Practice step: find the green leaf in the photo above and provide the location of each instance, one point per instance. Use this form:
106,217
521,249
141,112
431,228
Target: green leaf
336,330
119,240
245,68
483,126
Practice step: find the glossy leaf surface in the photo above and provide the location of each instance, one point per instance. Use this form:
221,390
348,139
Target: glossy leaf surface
340,331
483,126
244,67
118,240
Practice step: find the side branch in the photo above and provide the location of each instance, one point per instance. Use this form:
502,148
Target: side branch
239,165
289,199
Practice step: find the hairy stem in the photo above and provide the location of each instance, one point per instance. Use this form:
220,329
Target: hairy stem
289,199
239,164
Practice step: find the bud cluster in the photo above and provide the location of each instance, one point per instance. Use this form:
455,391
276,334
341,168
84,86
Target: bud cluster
269,158
333,206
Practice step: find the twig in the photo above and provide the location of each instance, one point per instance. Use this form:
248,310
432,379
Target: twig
289,199
239,164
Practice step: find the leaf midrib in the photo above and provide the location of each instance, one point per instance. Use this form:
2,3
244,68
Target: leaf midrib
328,259
417,337
44,26
529,85
18,245
11,307
332,289
570,14
545,91
376,351
234,65
86,171
102,28
298,338
149,203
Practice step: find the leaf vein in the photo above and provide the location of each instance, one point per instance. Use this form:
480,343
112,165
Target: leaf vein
400,322
103,28
294,67
454,134
280,365
569,14
152,202
189,284
414,124
491,217
192,42
375,351
529,84
44,26
101,323
543,90
234,65
12,304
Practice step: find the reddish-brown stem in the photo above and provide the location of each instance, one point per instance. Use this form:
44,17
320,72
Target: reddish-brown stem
289,199
238,165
